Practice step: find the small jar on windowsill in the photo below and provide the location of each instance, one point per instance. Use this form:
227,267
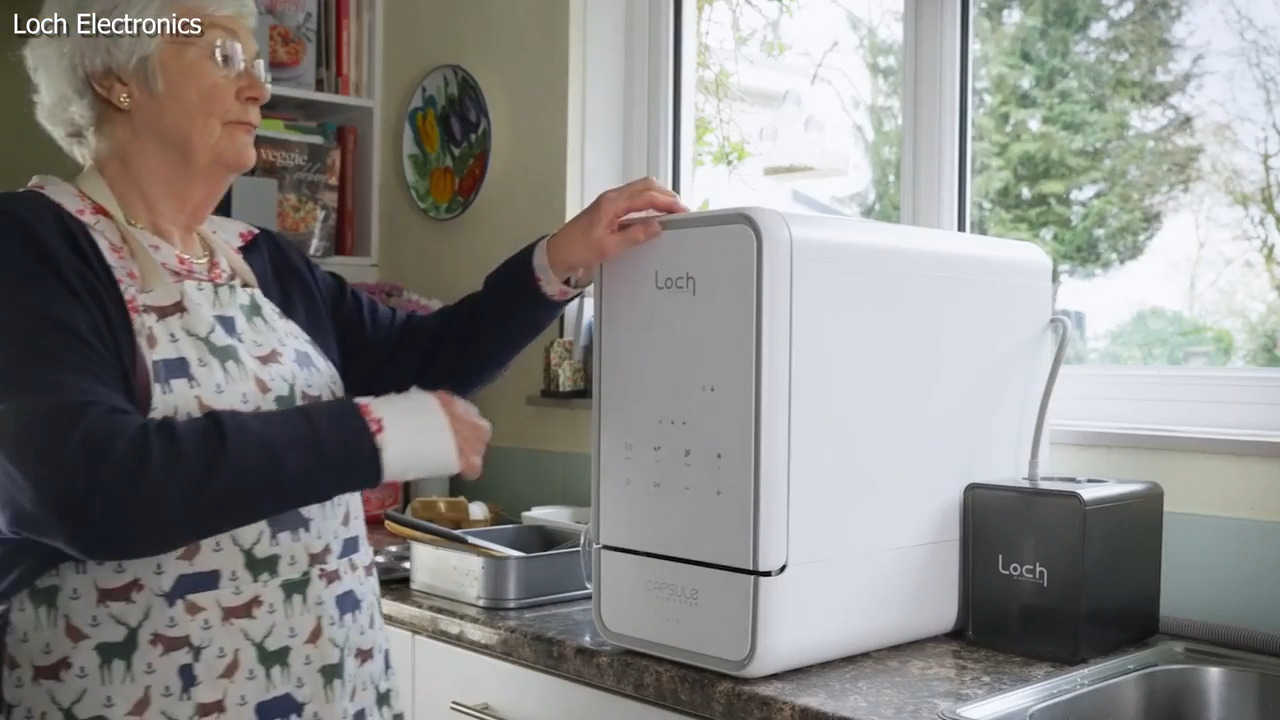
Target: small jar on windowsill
563,376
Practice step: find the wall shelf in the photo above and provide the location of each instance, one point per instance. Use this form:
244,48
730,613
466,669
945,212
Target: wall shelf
364,114
292,97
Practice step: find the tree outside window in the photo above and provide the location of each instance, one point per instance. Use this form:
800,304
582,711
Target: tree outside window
1138,143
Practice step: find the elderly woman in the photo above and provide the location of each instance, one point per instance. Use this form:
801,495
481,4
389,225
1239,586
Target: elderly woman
192,407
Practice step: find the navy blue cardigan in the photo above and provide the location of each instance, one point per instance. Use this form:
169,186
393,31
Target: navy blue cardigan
93,478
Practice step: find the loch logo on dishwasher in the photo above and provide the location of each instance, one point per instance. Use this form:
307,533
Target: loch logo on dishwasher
1025,572
683,284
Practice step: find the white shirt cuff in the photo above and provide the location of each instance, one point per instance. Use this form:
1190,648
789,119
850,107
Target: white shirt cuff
559,289
415,439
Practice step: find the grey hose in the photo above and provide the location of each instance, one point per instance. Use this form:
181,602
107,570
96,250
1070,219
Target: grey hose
1064,324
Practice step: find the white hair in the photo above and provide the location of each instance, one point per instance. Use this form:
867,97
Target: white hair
61,66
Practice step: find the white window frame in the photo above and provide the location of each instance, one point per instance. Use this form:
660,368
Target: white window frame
623,94
622,86
627,67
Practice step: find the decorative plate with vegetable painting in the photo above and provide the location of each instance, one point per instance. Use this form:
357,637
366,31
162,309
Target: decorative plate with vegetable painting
446,142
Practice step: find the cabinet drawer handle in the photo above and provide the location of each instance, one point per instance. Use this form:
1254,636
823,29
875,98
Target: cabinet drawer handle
475,712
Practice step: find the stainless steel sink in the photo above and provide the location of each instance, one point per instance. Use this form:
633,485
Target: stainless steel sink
1169,681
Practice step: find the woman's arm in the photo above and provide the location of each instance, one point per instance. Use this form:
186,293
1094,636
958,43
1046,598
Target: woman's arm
460,347
95,476
465,345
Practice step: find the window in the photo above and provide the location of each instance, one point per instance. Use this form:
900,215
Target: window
622,84
1135,141
764,102
797,105
1132,140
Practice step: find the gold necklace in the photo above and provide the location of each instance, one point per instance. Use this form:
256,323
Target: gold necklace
208,252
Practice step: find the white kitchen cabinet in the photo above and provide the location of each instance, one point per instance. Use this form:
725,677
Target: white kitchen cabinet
400,645
452,683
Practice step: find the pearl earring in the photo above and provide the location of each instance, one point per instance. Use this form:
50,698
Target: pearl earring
124,100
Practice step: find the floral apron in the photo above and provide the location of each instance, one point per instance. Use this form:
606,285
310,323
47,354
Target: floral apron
279,619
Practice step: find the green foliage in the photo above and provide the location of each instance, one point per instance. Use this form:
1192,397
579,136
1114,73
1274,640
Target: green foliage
1260,342
1253,185
717,141
1080,137
1159,336
882,142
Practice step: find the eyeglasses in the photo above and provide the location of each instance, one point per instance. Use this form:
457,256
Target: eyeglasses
230,57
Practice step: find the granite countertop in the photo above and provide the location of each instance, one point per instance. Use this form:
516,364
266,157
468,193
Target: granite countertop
910,682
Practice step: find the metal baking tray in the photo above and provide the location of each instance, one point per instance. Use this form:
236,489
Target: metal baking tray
392,562
549,572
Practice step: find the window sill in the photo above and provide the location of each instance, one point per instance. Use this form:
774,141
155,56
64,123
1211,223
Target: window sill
1178,439
1198,440
562,403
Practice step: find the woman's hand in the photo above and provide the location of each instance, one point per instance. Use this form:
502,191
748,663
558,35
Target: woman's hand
470,430
594,235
